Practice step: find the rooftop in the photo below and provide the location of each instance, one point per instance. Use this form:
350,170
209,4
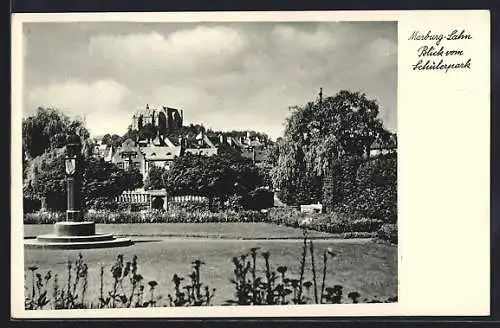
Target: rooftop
161,153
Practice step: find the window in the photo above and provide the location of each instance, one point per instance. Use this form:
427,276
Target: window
120,165
133,155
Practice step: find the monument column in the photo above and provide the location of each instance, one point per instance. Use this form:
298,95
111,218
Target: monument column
75,232
74,225
73,178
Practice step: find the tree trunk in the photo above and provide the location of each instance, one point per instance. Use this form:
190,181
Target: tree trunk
43,204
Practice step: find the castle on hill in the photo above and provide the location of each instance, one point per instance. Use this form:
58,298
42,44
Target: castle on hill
157,136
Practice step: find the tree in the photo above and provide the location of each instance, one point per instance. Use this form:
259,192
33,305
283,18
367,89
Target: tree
48,129
46,180
131,134
147,132
215,177
154,179
105,181
114,140
106,139
316,136
134,178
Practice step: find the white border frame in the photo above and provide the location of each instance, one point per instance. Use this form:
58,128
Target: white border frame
410,291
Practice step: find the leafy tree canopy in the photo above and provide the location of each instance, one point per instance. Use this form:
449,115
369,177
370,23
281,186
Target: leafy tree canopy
319,133
48,129
154,179
217,176
45,179
114,140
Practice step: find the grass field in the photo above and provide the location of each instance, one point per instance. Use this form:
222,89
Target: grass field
210,230
367,267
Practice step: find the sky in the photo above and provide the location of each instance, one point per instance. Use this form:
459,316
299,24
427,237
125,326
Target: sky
225,76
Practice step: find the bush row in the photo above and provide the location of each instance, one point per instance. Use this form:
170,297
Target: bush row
321,222
331,223
388,232
152,216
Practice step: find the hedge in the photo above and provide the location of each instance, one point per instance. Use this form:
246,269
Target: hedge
151,216
329,222
388,232
332,223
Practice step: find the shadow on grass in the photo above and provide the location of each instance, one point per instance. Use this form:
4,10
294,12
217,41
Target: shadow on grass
138,241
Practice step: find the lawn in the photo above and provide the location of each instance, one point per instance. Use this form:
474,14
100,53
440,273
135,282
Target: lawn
209,230
367,267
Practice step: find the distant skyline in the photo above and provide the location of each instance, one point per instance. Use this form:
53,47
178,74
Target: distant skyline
225,76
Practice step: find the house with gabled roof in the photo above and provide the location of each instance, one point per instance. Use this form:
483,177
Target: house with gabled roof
159,156
128,155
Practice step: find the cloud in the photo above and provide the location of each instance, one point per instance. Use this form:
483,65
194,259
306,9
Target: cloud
310,41
188,51
242,75
100,102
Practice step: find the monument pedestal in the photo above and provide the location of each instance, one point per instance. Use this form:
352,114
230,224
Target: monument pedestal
76,235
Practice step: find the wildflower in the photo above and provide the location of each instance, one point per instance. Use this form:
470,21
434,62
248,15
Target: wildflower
176,279
253,250
197,263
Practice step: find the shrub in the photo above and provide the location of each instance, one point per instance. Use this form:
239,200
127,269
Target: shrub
379,203
132,207
258,199
364,190
388,232
235,202
356,234
377,172
365,225
44,217
154,179
189,206
336,222
31,205
102,203
152,216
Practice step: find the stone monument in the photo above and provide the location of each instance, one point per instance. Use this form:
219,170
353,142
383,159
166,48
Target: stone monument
75,232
